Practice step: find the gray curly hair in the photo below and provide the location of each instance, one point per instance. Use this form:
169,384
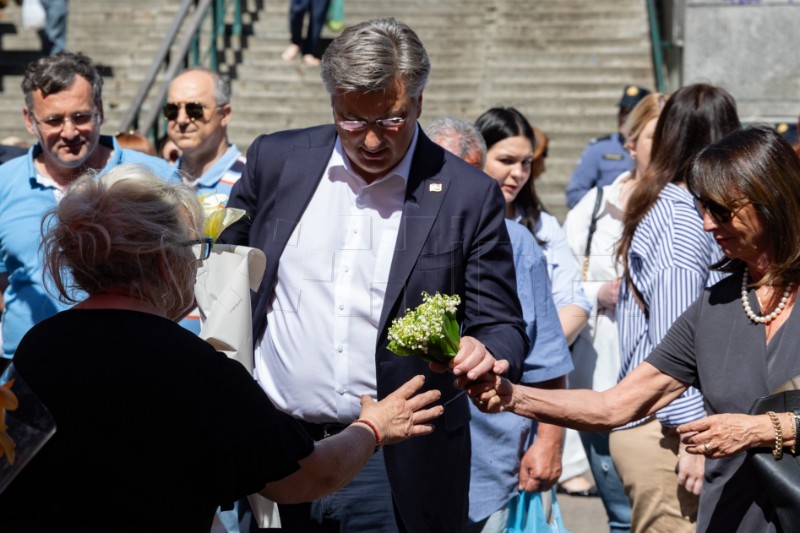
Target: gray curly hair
125,231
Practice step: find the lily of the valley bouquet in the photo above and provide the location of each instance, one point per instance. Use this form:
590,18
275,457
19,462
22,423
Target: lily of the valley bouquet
430,331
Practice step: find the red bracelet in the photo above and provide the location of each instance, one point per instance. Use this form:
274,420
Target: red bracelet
370,425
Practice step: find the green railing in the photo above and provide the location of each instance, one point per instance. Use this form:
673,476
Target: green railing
200,24
657,46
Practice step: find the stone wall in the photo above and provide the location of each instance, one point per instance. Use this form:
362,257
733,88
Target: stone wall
749,47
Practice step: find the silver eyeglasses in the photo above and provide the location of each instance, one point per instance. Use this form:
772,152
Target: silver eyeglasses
391,124
56,122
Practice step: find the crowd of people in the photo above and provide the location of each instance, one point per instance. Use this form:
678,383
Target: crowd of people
650,322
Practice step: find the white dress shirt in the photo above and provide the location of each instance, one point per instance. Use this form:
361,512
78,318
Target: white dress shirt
317,355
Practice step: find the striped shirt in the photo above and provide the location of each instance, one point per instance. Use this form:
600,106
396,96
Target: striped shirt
219,179
668,262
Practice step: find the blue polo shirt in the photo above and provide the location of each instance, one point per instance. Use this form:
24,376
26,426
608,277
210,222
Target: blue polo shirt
23,201
219,179
500,440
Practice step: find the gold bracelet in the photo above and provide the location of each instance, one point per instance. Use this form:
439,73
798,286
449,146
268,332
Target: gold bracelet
777,450
794,432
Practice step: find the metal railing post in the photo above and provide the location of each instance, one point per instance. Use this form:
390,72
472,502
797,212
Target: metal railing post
655,41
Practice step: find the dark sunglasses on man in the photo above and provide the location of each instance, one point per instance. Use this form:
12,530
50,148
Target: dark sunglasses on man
194,110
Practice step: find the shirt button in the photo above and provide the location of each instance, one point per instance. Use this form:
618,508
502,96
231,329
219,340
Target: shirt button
340,348
341,307
347,269
340,390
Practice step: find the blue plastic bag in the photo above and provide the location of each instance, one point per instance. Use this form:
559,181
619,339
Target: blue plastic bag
527,514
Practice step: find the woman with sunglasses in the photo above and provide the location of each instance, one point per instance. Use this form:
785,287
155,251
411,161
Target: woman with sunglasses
666,258
737,342
155,428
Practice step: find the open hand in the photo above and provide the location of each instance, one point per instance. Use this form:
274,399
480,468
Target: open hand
400,415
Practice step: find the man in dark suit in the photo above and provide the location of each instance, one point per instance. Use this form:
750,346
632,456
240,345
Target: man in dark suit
357,219
10,152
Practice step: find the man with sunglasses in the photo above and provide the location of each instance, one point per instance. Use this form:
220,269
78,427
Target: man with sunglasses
356,219
198,110
64,111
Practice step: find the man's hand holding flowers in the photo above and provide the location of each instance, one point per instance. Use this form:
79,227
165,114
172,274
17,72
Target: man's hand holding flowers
432,333
472,361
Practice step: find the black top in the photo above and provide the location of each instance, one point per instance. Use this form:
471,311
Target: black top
717,348
155,428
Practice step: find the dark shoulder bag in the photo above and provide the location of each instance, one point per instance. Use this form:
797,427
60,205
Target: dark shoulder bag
780,477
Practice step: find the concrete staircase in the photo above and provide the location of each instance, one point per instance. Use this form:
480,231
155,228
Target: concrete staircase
121,37
563,63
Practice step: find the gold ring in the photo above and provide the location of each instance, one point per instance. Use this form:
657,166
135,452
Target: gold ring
707,451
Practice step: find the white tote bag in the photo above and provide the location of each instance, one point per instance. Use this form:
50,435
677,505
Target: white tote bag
33,15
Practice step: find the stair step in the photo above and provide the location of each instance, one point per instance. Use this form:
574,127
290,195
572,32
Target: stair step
561,62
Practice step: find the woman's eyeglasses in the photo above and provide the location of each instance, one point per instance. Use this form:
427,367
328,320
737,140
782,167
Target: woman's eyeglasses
720,213
194,110
201,248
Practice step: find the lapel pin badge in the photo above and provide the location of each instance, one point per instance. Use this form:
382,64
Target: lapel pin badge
435,187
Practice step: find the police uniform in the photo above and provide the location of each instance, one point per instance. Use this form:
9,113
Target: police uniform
788,131
604,158
602,161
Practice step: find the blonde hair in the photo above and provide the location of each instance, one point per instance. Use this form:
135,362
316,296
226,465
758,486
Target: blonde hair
646,110
125,232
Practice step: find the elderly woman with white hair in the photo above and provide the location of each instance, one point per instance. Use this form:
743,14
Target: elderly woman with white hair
155,427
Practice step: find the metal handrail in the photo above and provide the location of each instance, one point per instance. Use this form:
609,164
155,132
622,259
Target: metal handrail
656,45
186,51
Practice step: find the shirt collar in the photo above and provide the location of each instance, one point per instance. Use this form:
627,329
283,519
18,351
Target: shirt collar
46,182
211,176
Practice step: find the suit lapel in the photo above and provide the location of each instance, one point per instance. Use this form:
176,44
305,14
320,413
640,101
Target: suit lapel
298,181
425,193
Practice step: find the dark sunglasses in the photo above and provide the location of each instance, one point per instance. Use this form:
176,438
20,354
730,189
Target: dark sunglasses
194,110
201,248
720,213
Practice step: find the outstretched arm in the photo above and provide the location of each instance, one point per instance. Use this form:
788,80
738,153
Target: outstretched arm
642,392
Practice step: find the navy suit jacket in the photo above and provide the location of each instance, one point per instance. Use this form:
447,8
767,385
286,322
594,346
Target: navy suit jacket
10,152
452,239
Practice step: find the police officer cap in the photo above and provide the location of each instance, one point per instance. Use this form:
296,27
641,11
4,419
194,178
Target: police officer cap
788,131
631,95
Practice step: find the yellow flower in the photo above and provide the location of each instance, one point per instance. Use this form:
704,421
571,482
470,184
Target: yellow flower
218,217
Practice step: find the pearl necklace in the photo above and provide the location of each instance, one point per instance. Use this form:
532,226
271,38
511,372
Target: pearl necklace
766,319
